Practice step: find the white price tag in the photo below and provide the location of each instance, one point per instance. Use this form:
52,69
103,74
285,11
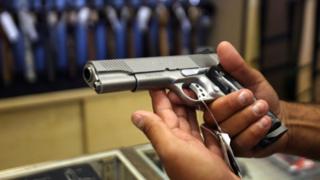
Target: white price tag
144,15
83,15
9,26
226,138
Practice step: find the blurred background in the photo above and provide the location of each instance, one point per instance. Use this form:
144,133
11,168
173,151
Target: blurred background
47,112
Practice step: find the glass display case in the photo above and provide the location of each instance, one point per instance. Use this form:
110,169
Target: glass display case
142,162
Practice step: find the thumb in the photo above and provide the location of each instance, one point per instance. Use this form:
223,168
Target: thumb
153,127
234,64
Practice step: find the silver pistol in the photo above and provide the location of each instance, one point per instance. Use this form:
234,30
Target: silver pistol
200,73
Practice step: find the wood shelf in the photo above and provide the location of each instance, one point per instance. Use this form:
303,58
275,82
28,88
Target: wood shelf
45,98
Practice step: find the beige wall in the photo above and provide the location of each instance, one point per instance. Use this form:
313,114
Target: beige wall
45,132
63,127
107,120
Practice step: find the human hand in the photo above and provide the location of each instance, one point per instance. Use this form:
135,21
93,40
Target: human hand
174,133
238,114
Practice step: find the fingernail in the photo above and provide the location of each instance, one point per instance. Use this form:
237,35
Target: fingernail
258,108
264,122
244,97
137,120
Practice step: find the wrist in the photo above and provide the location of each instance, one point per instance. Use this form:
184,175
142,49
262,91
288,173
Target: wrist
283,112
302,121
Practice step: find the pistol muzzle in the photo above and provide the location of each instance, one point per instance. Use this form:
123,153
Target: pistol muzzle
108,82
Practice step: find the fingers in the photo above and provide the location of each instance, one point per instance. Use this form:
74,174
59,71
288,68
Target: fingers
174,115
249,77
245,142
234,64
211,141
154,129
162,106
194,125
243,119
225,107
187,116
182,118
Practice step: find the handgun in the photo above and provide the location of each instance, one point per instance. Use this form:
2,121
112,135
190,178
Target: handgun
201,73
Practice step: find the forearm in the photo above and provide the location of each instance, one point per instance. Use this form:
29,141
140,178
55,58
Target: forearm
303,123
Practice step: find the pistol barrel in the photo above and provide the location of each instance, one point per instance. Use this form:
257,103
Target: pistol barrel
108,82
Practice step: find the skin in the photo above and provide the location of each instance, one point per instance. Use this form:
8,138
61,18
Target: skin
246,122
174,132
238,114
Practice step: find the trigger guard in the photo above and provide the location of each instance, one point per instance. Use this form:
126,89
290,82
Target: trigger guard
201,93
178,89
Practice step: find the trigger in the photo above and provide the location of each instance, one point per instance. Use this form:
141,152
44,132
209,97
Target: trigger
201,93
